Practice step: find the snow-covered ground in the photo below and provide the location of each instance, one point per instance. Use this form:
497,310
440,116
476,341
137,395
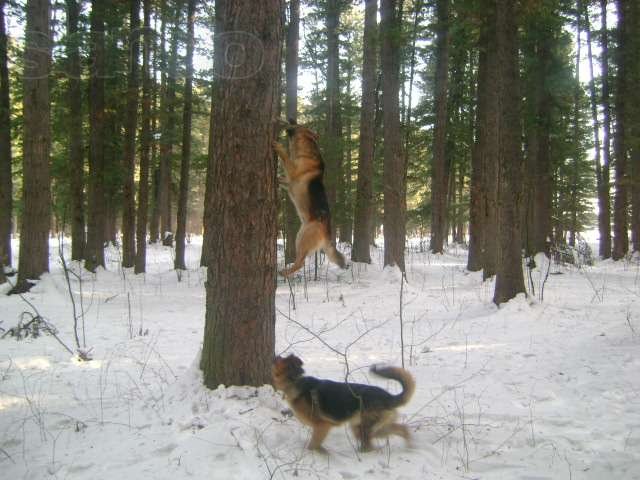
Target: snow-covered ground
533,390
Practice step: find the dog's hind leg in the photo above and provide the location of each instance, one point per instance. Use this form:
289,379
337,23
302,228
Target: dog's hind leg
309,239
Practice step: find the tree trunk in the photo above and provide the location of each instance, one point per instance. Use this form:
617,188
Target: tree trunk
6,184
620,197
239,335
292,222
363,217
394,178
94,255
509,277
476,190
632,20
440,178
186,140
145,146
606,128
36,181
604,222
167,140
333,138
131,124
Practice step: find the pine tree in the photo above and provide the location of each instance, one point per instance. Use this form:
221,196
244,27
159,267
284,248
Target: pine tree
36,190
6,183
239,337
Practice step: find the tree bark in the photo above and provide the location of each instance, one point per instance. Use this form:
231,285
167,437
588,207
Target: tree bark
36,187
394,173
509,276
129,157
239,335
606,126
186,141
292,222
94,255
440,177
632,30
167,140
145,146
6,183
620,197
333,138
363,217
604,207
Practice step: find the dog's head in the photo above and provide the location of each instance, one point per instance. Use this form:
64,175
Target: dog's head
296,130
285,370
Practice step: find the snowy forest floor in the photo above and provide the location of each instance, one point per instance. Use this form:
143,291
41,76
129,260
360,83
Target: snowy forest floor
541,388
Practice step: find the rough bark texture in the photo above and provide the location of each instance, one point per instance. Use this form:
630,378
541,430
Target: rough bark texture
363,217
145,147
94,255
333,138
239,334
393,178
509,276
620,196
440,177
76,137
129,157
6,184
606,127
292,222
186,141
36,187
476,190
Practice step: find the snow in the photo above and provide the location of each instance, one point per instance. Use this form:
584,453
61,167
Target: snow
545,387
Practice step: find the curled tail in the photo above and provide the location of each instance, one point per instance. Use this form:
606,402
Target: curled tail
400,375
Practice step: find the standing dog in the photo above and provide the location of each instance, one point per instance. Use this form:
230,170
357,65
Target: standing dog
322,404
304,168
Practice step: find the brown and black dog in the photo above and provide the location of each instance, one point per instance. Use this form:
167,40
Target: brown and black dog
323,404
304,169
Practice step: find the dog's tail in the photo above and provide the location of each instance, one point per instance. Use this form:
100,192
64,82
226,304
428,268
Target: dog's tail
335,256
400,375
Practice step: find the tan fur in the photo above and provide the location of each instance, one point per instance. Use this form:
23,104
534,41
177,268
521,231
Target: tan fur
303,395
303,165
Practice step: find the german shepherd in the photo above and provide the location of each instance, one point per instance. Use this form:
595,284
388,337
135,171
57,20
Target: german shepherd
323,404
304,169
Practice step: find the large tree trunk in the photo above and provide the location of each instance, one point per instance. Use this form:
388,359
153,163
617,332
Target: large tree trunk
145,147
486,147
363,217
509,277
333,137
620,197
6,184
94,255
239,334
440,175
129,160
292,222
76,138
394,178
36,181
186,141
